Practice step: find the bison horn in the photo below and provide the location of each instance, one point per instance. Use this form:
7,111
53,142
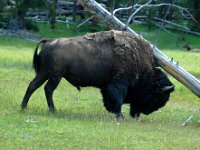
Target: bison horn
168,88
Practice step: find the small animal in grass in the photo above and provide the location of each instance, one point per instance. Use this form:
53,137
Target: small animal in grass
188,47
121,65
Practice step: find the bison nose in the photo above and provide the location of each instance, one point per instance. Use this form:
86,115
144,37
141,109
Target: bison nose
168,88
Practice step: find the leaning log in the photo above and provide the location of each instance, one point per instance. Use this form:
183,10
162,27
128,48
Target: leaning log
172,68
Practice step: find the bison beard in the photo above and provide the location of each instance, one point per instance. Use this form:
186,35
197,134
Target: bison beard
120,64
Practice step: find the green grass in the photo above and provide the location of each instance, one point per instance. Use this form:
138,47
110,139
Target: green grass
81,121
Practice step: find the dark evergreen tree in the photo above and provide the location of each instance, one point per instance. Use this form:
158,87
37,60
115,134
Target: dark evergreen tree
18,11
195,11
52,6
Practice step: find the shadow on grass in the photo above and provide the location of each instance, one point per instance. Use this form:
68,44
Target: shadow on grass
106,117
70,115
172,114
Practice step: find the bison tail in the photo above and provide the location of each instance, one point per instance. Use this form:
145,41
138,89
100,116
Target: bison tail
36,57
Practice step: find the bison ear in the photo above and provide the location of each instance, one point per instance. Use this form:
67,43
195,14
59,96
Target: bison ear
168,89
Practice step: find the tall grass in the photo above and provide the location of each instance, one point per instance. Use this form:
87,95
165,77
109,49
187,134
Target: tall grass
81,121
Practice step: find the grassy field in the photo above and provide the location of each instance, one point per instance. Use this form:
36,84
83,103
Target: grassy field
81,121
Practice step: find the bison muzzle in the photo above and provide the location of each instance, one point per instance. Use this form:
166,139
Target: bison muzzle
121,65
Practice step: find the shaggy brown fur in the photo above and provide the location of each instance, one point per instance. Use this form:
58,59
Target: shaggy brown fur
134,53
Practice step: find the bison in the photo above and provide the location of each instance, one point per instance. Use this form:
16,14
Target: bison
120,64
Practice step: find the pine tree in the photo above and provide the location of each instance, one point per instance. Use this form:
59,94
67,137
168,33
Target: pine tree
18,13
52,6
195,10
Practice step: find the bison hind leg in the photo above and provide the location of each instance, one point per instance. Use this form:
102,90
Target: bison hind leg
34,84
49,88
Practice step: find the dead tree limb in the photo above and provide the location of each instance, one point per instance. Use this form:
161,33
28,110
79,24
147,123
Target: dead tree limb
122,9
135,12
138,7
176,71
185,29
167,4
85,21
185,123
168,24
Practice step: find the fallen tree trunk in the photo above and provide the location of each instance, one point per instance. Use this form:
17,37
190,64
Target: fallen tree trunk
176,71
179,27
61,12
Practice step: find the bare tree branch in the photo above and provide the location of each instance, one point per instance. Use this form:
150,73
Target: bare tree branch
165,29
85,21
181,10
139,7
133,14
185,123
168,25
122,9
171,23
167,4
50,1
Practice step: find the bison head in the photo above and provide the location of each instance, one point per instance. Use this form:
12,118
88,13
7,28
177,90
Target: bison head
150,95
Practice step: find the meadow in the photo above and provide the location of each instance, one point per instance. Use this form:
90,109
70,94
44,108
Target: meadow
81,121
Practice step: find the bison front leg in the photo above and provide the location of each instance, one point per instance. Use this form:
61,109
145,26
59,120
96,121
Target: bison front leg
113,96
49,89
134,112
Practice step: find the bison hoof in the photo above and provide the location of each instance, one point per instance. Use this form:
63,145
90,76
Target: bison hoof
52,110
137,117
23,106
119,117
